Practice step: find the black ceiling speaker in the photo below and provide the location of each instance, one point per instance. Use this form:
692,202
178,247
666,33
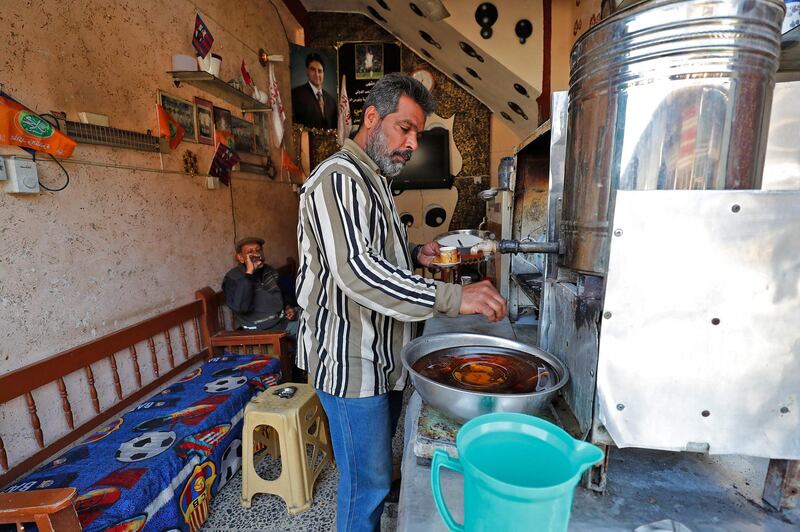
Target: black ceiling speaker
486,16
523,29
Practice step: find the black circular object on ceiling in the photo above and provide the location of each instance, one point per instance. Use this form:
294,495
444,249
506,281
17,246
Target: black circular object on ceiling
523,29
506,116
426,53
430,40
462,80
486,16
383,5
473,73
435,217
520,89
470,51
417,11
407,219
517,109
375,14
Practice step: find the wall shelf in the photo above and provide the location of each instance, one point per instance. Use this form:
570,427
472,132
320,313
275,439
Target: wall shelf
213,85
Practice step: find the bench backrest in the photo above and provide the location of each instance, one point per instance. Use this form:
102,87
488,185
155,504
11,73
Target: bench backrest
68,368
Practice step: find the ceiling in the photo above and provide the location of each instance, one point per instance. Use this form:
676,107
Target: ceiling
501,72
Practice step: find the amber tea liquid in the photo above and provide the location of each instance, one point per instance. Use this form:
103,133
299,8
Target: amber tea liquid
496,372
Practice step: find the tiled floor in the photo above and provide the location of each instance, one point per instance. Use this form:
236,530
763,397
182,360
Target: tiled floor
268,512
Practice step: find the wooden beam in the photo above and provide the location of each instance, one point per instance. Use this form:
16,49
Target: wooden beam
299,12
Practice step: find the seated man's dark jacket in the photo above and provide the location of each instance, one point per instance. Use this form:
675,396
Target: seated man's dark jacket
256,299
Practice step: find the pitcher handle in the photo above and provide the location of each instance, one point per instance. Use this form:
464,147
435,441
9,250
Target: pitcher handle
442,459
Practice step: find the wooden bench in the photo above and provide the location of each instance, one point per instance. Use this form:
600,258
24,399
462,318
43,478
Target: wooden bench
217,325
171,350
170,328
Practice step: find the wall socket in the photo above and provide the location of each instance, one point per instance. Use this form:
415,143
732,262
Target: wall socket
22,177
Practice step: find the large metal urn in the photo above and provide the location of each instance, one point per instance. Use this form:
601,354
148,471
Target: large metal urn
668,94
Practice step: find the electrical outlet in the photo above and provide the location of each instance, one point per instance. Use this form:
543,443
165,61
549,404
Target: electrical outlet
22,176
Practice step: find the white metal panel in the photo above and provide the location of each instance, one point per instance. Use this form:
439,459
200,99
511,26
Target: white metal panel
668,377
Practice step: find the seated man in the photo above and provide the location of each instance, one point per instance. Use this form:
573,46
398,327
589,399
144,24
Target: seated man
252,292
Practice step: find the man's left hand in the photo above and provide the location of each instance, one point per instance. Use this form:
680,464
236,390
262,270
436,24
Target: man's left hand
289,312
427,253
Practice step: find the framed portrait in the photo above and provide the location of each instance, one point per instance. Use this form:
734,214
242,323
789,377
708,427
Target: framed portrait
314,82
369,60
363,64
261,140
243,135
205,121
182,111
222,120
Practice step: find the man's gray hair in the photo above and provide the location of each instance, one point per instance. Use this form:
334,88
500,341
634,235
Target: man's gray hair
387,91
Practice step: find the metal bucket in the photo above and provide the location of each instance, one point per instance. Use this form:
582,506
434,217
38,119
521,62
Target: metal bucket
668,94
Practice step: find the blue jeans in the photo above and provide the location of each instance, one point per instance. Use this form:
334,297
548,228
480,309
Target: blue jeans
361,433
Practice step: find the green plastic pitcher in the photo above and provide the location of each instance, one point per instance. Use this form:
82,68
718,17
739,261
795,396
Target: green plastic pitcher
520,473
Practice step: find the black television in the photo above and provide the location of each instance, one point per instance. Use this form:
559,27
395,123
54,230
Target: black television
429,167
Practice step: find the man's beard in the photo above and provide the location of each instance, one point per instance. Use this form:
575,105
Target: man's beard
378,152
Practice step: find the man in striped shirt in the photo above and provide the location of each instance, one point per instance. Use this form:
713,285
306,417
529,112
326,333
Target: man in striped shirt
359,294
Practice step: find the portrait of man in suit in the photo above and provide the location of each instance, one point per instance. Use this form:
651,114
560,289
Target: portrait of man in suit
312,105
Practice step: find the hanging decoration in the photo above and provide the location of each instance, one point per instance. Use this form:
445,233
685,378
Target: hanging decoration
19,126
345,121
202,38
170,128
278,113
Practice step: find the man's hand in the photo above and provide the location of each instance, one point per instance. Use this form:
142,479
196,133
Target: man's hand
483,298
290,312
427,253
252,263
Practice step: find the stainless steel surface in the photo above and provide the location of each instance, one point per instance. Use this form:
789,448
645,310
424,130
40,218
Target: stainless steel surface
558,149
464,405
782,164
669,94
570,326
700,323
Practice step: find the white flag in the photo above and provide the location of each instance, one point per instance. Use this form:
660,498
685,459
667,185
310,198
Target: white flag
345,122
278,114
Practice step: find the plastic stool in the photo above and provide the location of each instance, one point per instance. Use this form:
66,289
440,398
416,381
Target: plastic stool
297,421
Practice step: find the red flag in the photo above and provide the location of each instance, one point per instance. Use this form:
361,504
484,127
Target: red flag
288,163
246,75
201,38
222,164
22,127
170,128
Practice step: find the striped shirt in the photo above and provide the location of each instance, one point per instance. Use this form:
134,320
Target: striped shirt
355,282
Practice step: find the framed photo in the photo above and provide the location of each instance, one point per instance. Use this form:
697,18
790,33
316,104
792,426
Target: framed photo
205,121
243,135
369,61
261,140
182,111
222,120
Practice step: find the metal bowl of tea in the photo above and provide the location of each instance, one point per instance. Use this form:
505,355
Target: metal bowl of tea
465,375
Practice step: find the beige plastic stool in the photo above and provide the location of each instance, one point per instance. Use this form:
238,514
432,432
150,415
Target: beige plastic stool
297,422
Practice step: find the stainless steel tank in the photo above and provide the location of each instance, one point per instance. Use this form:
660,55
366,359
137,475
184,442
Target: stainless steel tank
668,94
